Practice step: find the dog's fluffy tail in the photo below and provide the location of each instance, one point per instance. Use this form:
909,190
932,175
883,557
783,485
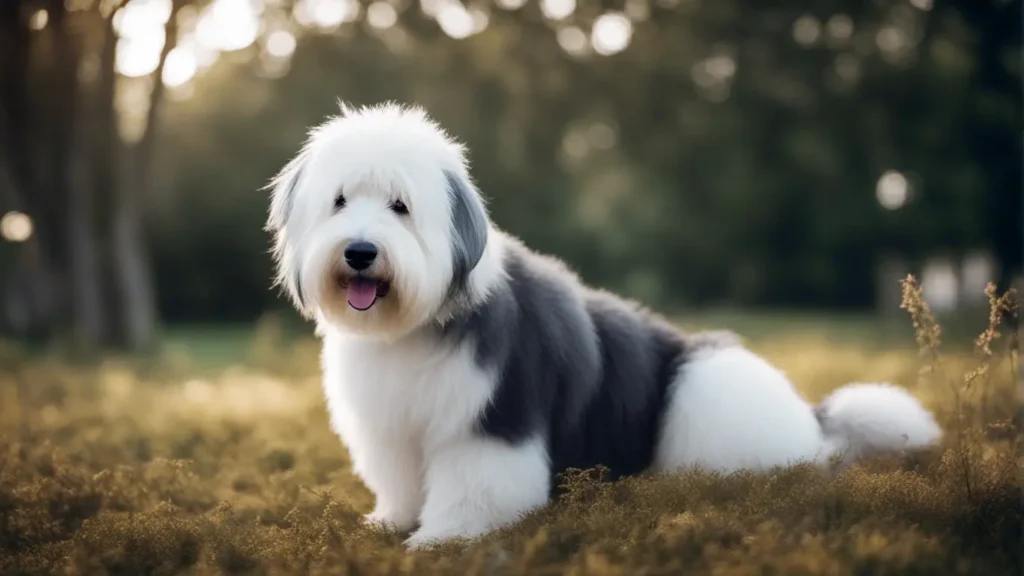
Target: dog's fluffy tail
862,419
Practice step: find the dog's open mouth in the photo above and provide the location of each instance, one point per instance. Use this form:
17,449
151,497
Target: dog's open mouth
363,292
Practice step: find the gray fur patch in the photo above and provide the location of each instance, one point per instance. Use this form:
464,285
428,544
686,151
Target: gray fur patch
583,369
290,194
821,415
281,205
469,229
283,197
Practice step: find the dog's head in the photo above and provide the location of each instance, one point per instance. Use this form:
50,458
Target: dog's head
377,225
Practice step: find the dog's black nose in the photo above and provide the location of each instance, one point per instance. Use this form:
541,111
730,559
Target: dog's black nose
360,255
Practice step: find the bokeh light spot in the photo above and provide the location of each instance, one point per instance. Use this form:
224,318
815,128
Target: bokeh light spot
280,43
575,145
940,286
480,19
840,27
510,4
140,27
381,15
892,40
38,20
572,40
557,9
15,227
326,14
892,190
638,10
139,18
139,55
180,67
611,33
806,30
205,55
721,67
228,25
455,21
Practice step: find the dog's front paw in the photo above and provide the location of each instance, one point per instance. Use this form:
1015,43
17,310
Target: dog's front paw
389,521
430,535
422,541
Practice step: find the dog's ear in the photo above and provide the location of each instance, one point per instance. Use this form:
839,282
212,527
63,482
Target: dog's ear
282,193
469,228
282,197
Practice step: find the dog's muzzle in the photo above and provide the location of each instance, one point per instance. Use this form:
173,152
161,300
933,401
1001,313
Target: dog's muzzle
360,255
363,290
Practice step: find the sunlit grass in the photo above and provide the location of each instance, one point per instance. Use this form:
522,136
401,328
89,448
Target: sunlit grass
190,466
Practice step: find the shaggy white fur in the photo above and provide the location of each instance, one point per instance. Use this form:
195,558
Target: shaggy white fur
731,410
464,372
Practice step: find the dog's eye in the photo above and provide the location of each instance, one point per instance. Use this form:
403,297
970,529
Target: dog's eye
339,202
399,207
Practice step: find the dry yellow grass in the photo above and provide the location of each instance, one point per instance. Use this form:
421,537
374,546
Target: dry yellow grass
129,469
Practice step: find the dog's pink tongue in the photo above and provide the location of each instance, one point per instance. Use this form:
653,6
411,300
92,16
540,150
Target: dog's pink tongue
362,293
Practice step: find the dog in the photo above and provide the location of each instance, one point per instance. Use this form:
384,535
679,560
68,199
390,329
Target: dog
464,372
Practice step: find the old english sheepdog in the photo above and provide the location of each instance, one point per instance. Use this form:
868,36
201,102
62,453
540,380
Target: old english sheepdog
463,371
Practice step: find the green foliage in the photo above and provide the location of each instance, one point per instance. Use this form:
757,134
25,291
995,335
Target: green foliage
757,189
185,469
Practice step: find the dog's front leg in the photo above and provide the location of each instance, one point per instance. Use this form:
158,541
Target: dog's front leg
476,485
392,470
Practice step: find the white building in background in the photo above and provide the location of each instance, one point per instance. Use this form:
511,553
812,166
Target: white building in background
940,284
947,282
976,271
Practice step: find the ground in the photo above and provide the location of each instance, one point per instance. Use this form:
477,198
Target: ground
217,458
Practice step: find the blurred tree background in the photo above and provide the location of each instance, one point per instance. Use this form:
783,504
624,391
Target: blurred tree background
688,153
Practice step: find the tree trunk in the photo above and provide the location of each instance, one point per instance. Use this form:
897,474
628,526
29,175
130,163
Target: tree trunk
106,157
88,315
30,306
27,303
15,44
130,244
75,193
138,300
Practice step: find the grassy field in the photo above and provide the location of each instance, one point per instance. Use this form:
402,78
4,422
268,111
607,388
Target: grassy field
217,458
